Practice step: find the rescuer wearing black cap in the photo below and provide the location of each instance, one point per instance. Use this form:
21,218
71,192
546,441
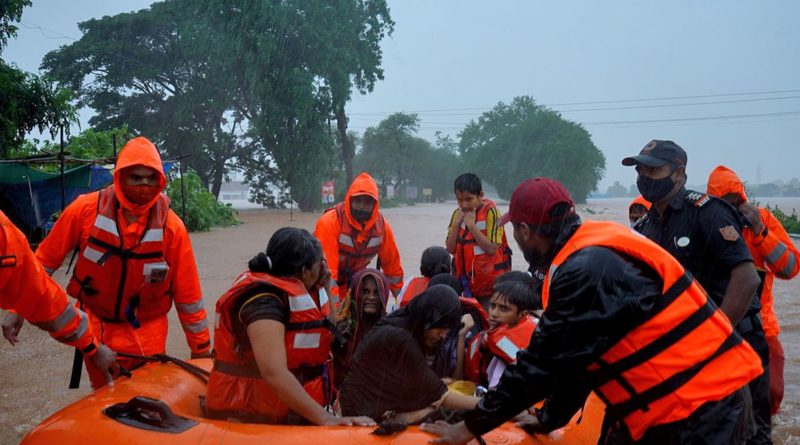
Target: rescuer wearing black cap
704,234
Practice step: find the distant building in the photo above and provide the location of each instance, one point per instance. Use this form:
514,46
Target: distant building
237,194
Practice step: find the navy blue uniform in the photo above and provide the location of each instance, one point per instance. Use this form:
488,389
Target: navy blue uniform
704,234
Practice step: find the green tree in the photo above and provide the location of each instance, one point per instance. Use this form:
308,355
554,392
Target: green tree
27,101
522,139
617,190
393,154
203,211
148,70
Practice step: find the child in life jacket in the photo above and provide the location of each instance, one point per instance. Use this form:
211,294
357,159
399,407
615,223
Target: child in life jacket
511,326
476,238
435,260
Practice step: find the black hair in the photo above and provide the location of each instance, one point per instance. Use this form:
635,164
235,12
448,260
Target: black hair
447,280
468,182
435,260
289,250
517,293
515,275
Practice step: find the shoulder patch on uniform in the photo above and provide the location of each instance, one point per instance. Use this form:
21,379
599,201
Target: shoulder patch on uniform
729,233
698,199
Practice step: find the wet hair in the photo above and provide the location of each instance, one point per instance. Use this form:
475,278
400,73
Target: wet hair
637,207
517,293
435,260
514,275
468,182
289,250
447,280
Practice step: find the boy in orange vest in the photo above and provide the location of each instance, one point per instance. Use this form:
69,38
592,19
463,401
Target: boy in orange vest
476,238
510,329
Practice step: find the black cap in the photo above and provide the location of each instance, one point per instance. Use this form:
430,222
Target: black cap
657,153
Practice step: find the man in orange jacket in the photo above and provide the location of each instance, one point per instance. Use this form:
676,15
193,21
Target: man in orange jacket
26,289
133,259
354,232
774,255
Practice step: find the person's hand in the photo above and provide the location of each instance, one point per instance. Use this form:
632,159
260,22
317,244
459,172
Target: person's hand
530,424
469,219
452,434
459,216
106,361
206,354
12,323
467,323
753,217
325,275
349,421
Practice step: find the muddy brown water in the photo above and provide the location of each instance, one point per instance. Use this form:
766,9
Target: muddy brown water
35,373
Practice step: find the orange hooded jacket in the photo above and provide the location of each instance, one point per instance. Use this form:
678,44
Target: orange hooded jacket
72,231
773,251
329,231
641,201
26,289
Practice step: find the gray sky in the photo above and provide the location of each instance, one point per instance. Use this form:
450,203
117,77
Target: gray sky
463,56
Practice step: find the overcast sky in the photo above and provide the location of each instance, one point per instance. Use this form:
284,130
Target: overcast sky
451,60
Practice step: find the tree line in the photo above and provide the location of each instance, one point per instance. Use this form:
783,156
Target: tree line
262,88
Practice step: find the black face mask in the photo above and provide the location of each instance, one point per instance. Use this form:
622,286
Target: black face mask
654,190
361,216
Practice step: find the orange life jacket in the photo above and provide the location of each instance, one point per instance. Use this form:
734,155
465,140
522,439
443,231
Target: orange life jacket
416,286
123,284
479,268
355,255
685,355
235,387
502,342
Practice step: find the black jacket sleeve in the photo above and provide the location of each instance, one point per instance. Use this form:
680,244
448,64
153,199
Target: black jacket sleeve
596,297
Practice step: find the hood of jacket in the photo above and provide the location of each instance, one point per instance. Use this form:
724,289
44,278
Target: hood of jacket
138,151
723,181
363,184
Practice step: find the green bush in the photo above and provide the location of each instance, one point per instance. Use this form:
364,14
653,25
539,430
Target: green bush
790,222
203,211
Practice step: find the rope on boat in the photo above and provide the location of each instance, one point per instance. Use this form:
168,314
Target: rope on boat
196,371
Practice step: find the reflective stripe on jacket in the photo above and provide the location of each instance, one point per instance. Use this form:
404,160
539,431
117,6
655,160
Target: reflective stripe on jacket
472,263
685,355
235,384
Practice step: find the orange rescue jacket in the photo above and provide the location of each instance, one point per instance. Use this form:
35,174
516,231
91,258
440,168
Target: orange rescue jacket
118,254
29,291
235,386
774,253
415,286
471,262
687,354
349,246
502,342
137,277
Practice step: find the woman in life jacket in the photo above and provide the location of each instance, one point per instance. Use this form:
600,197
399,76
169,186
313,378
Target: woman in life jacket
273,337
364,305
435,260
473,320
389,377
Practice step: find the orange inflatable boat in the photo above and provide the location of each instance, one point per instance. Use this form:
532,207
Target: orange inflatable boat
161,404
